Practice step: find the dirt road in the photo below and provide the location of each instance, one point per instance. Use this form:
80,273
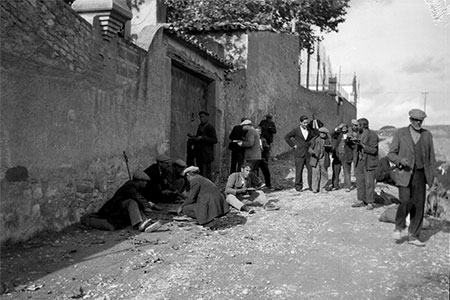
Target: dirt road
315,247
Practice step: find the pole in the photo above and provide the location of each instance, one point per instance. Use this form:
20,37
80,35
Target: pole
126,162
425,101
318,66
307,69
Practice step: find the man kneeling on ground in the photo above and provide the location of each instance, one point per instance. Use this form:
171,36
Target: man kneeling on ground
125,208
240,192
205,202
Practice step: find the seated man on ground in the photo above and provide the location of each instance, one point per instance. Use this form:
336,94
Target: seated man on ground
205,202
125,208
160,173
240,192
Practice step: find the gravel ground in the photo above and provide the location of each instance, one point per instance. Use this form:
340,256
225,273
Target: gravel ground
315,247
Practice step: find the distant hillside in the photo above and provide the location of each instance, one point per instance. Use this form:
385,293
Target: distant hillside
387,127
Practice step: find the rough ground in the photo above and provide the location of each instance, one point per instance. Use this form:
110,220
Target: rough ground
314,247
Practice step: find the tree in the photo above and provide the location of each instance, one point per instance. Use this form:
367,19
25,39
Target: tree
311,17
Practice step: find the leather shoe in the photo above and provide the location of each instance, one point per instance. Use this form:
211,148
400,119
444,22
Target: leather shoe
358,203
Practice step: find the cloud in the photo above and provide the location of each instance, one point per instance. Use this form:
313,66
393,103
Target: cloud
423,65
360,3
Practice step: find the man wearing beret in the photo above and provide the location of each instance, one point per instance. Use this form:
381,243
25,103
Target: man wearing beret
203,144
412,151
299,139
125,208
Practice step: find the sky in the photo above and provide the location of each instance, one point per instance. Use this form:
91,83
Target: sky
398,52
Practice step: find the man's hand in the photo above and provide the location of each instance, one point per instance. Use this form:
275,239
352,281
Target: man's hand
180,210
240,143
295,147
404,162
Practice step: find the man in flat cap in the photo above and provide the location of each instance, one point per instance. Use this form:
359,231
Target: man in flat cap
320,150
412,151
366,164
237,134
160,173
299,139
203,144
268,129
126,207
205,202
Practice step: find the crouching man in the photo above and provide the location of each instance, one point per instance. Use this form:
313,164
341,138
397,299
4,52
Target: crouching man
205,202
125,208
241,194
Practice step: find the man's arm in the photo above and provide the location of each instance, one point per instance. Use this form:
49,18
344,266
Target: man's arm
249,140
210,136
370,145
193,193
288,138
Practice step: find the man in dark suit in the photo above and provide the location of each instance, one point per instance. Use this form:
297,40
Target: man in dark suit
412,152
268,129
237,152
204,142
366,165
299,139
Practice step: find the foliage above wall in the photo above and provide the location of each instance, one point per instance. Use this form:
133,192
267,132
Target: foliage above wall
310,17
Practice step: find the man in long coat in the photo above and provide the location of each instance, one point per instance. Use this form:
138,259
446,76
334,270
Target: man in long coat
299,139
412,151
203,143
205,202
366,164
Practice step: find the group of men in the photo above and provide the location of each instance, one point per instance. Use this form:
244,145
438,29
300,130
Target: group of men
411,153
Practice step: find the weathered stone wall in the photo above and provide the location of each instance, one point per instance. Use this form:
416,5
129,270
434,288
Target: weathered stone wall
270,84
70,104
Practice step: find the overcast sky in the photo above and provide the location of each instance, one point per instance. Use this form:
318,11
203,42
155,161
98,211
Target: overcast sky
398,52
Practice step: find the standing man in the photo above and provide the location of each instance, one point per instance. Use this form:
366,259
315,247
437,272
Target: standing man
204,142
320,160
268,129
252,146
344,153
299,139
366,163
412,151
315,123
237,134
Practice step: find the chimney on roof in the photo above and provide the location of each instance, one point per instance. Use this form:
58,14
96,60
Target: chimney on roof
149,12
114,16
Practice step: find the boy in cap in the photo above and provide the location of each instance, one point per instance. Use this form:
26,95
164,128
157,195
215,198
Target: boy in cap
125,208
412,152
320,160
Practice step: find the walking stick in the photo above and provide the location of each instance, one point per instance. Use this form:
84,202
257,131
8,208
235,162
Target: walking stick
126,162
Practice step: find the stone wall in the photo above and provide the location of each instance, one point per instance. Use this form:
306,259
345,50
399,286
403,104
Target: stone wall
270,84
71,103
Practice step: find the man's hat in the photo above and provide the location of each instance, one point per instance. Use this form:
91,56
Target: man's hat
180,163
203,113
190,169
354,122
246,122
269,116
323,130
140,175
417,114
163,158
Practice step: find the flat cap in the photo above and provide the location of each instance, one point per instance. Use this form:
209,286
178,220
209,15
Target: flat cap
202,112
323,130
269,116
140,175
163,158
190,169
180,163
417,114
246,122
354,122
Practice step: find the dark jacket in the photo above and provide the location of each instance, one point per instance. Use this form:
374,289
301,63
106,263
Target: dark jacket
208,201
299,140
158,182
236,134
113,211
368,150
343,147
402,146
268,129
204,147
